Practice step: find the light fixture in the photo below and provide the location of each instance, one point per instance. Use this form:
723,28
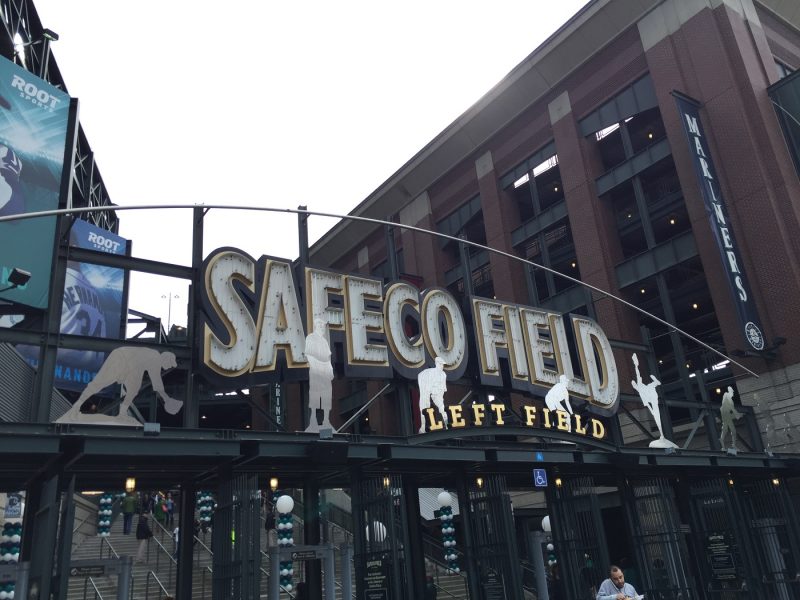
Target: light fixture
719,390
695,305
386,481
555,188
17,278
479,482
558,482
49,34
630,215
660,361
730,481
649,135
672,220
574,264
247,426
204,417
642,290
776,481
130,484
688,365
273,483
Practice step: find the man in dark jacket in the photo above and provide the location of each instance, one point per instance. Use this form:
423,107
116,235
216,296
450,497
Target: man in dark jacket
128,506
143,533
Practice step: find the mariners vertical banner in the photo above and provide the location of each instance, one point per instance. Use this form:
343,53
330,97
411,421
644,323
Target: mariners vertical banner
34,119
719,221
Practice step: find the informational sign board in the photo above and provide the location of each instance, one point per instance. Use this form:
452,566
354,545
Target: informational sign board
34,123
540,478
93,305
720,557
13,506
377,578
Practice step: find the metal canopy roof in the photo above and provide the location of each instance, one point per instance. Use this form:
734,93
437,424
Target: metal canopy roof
101,457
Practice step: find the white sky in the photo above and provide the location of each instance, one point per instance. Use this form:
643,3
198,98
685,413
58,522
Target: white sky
271,103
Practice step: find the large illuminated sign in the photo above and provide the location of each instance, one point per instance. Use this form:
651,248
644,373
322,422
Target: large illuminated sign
255,321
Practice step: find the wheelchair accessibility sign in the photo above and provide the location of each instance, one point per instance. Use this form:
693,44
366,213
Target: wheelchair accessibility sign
540,478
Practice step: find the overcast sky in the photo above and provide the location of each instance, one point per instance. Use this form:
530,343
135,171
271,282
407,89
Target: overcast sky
271,103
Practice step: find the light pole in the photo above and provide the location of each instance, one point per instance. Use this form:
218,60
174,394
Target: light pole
169,308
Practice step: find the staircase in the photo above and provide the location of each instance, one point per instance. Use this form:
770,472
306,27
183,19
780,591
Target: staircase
158,566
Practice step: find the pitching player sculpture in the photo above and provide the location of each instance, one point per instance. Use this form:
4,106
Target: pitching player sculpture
557,397
649,397
320,376
432,386
127,366
728,414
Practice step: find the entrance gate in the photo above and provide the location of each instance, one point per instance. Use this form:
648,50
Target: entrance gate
493,540
661,551
578,535
381,538
236,540
724,559
773,530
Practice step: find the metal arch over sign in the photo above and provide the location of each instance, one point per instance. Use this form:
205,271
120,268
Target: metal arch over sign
254,331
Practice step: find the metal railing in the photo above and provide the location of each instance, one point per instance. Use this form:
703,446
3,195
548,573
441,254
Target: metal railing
104,541
151,574
97,593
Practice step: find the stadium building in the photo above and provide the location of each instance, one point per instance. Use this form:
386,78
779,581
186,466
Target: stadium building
602,251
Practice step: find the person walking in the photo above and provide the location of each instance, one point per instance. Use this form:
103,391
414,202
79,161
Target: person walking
128,506
170,503
160,509
175,538
143,533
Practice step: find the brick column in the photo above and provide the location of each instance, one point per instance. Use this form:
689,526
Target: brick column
421,251
594,231
499,220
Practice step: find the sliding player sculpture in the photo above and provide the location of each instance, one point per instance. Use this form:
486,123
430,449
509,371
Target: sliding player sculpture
126,366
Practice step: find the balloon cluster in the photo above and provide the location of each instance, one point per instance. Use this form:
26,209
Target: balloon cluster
448,531
104,513
285,505
551,555
205,506
9,543
9,554
7,590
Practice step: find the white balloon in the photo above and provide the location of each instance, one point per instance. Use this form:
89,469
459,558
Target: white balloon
445,499
285,504
550,547
288,587
546,524
376,533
